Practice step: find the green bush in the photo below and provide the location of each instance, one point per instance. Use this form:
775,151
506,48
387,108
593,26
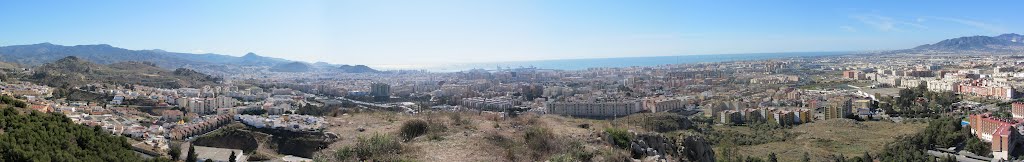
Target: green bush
376,148
619,137
345,153
539,139
575,152
414,128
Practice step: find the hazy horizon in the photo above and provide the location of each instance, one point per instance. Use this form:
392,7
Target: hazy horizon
456,61
446,32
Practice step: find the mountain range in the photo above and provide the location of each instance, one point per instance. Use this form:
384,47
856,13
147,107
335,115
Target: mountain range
72,71
1000,43
39,54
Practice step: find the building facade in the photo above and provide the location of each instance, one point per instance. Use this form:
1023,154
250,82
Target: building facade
838,107
593,109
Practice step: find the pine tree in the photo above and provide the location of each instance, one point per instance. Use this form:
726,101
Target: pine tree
192,156
232,157
175,152
772,158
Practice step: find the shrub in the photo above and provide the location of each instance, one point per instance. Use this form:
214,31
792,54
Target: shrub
500,140
563,158
540,140
578,152
511,148
376,148
414,128
619,137
343,154
457,120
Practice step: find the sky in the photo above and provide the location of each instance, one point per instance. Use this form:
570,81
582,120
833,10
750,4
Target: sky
378,32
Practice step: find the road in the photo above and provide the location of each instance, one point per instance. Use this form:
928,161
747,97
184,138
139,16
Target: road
960,158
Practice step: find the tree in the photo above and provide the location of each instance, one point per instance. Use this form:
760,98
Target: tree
41,136
978,147
921,88
232,157
772,158
192,156
175,152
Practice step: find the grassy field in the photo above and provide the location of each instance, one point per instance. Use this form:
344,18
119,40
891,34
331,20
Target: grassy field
825,138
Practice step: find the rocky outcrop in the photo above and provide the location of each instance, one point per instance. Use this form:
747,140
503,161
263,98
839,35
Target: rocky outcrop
651,144
694,148
683,148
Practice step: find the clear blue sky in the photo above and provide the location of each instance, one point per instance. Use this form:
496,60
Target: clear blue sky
441,31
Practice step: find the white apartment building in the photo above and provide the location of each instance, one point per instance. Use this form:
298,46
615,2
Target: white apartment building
593,109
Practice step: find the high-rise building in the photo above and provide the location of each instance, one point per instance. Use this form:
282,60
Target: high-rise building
380,91
838,107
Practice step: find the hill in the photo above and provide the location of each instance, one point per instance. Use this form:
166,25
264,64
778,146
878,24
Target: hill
1005,42
39,54
356,69
292,67
72,71
458,136
321,66
36,136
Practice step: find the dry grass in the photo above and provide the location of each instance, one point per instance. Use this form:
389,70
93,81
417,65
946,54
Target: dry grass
467,135
824,138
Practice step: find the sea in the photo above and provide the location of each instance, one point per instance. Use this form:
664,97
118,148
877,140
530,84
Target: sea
581,64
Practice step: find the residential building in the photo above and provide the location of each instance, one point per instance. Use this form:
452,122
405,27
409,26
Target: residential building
837,107
380,91
1003,134
593,109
